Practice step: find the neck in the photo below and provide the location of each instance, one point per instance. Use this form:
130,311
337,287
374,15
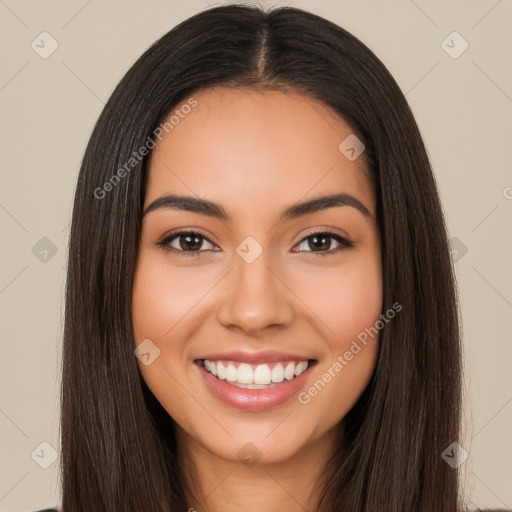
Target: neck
228,485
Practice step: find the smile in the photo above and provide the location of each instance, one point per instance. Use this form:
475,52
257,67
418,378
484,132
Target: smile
254,386
255,376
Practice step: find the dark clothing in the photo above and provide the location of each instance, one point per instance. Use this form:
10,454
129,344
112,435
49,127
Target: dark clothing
486,510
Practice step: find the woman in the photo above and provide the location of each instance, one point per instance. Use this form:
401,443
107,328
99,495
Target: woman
260,308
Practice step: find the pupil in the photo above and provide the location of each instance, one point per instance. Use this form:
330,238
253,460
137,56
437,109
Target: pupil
320,242
196,244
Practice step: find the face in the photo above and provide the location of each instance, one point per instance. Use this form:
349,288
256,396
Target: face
272,294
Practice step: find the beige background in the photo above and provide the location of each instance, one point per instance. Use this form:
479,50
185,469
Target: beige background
48,108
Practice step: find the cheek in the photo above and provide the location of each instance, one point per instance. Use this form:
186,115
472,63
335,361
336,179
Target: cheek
357,301
343,375
346,299
157,305
163,296
341,302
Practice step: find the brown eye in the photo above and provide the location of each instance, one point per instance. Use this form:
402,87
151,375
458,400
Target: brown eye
185,243
322,243
190,242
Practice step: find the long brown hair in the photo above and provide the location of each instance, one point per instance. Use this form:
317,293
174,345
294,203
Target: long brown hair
118,448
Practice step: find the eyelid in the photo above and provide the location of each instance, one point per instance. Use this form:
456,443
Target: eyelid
343,239
164,242
188,231
316,230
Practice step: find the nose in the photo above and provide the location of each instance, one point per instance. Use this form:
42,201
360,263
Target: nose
256,298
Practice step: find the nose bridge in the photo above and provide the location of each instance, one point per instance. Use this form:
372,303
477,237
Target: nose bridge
255,297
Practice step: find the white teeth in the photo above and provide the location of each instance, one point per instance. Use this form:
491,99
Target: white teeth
278,373
221,371
289,371
245,374
231,373
262,374
258,376
252,386
301,368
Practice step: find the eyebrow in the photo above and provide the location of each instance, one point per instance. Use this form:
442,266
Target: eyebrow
211,209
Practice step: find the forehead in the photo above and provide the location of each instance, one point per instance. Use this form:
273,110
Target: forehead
246,149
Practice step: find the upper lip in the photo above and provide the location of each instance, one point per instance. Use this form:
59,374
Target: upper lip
266,356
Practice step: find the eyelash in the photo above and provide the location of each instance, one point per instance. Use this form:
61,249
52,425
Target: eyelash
345,243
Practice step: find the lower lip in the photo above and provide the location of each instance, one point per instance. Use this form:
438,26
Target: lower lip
254,399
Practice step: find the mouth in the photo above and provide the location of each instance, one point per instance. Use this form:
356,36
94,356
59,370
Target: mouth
255,376
254,387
